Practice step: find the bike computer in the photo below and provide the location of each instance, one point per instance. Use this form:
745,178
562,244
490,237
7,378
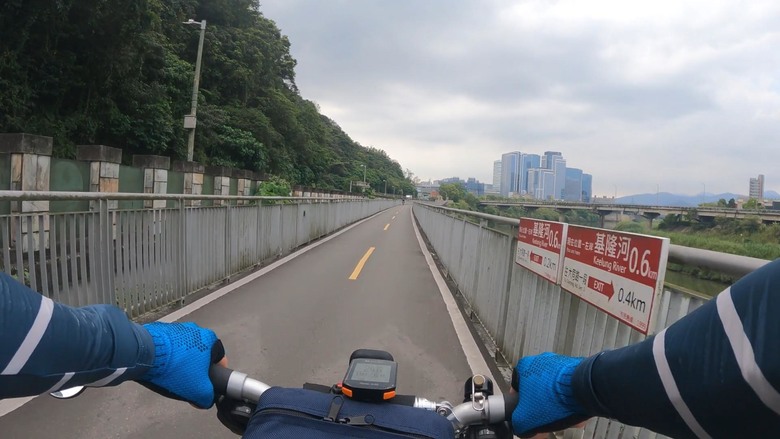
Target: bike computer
370,379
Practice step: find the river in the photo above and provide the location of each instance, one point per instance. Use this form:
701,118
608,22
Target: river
702,286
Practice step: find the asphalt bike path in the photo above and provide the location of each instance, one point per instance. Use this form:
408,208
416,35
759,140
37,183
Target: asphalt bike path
369,287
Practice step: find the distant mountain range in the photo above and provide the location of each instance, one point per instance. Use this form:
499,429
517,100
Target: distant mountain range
668,199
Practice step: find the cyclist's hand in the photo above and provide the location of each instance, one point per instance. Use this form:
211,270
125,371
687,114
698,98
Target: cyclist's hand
183,353
546,402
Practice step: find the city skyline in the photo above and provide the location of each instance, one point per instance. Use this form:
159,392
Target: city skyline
615,194
755,184
637,94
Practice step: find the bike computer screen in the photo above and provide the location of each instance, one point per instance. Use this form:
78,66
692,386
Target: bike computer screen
370,379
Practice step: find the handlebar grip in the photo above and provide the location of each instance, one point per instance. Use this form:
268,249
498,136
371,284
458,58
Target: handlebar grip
510,402
220,376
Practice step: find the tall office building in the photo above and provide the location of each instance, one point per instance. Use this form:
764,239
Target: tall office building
587,187
514,172
497,176
573,189
510,165
554,161
757,188
543,177
548,157
541,183
530,161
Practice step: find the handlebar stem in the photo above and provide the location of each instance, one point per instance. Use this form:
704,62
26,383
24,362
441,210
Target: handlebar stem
464,415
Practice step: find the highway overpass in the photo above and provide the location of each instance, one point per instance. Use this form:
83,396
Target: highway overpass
650,212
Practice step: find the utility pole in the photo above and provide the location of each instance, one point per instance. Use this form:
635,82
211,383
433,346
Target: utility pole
191,120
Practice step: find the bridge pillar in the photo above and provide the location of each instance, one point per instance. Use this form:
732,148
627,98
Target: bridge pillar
103,170
562,214
602,214
221,181
257,180
30,157
155,177
650,217
244,183
193,179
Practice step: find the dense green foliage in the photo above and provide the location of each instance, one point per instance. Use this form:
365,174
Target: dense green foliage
745,236
461,199
274,187
120,73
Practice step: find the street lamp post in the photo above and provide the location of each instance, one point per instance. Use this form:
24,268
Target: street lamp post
190,121
703,193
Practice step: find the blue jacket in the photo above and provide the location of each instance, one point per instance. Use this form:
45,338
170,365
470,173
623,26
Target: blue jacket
713,374
46,346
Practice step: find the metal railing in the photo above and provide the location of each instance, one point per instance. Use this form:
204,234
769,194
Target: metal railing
525,314
143,259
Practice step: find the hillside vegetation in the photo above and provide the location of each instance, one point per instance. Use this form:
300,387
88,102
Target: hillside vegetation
120,73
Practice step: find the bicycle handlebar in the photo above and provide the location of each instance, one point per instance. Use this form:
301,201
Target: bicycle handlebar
236,385
493,409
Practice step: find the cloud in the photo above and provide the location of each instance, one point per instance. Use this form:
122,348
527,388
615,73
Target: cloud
675,94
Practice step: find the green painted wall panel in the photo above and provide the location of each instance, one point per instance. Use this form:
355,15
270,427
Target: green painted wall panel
175,186
5,181
233,190
131,180
208,188
71,176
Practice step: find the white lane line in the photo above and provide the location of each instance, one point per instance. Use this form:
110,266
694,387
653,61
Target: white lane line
474,357
9,405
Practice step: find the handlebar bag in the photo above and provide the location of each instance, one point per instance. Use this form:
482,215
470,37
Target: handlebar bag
284,413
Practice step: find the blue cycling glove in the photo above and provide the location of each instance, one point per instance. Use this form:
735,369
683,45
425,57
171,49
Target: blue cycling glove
182,356
546,401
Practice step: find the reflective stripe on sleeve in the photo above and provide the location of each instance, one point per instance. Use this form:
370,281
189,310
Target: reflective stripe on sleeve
61,382
670,386
34,336
743,351
107,380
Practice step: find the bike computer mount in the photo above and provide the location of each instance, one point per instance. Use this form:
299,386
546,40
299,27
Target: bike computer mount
371,376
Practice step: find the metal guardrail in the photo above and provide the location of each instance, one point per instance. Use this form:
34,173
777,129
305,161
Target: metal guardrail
142,259
525,314
734,265
65,196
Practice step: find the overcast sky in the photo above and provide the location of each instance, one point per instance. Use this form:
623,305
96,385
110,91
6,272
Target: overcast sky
676,95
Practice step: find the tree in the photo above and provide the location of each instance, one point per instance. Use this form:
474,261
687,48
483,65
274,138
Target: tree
274,187
120,73
453,191
732,203
752,204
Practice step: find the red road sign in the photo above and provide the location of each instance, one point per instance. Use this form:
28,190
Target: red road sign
539,247
620,273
